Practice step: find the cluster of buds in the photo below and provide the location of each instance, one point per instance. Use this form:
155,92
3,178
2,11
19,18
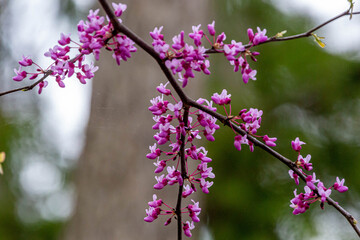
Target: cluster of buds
173,132
250,122
94,34
183,59
313,193
166,113
158,207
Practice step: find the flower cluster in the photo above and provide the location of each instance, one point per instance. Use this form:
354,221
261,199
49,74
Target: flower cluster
183,58
250,122
155,210
94,34
173,132
314,189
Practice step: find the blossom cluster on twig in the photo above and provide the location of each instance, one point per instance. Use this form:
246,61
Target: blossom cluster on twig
94,34
312,193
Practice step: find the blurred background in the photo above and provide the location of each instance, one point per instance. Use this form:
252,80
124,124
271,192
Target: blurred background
76,167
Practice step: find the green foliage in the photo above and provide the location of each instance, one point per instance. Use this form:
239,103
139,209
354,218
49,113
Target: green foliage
12,227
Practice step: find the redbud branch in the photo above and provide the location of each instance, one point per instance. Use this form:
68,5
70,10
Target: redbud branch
308,33
189,102
46,74
30,87
296,36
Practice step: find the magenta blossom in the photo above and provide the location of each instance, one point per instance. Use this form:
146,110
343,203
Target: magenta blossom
162,89
20,75
339,185
221,99
187,227
64,39
211,28
26,61
296,145
196,35
294,176
119,9
269,141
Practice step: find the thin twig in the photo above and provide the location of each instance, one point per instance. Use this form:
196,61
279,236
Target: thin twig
30,87
296,36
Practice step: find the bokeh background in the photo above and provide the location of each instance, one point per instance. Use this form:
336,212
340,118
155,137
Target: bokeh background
58,160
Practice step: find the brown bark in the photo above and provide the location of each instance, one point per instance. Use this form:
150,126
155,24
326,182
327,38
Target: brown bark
114,179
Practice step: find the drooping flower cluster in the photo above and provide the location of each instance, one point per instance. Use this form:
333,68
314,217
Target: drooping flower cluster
183,59
94,34
170,124
313,193
171,132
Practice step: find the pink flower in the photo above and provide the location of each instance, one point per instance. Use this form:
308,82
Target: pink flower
156,34
233,49
339,185
299,203
196,35
155,203
187,191
119,9
211,28
176,108
161,182
187,227
175,65
205,171
323,192
296,145
42,85
311,180
220,39
162,89
250,34
305,162
269,141
26,61
194,211
248,73
159,106
20,75
154,152
152,214
201,154
240,140
294,176
160,166
260,36
221,99
205,185
64,39
178,41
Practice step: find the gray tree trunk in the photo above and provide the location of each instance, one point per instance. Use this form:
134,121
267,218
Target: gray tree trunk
114,180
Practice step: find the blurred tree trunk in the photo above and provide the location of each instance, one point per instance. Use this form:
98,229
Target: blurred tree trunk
114,179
